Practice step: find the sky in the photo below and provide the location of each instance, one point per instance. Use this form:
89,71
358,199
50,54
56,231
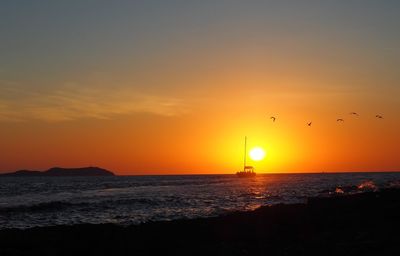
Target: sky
173,87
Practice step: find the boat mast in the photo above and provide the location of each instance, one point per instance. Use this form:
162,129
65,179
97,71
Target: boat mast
245,152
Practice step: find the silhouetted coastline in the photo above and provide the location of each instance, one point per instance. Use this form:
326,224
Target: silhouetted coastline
358,224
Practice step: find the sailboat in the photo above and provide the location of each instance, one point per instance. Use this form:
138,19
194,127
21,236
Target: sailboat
248,171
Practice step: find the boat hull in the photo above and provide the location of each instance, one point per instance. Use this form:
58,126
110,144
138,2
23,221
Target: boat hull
246,174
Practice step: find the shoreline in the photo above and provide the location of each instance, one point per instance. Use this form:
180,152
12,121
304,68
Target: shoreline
359,224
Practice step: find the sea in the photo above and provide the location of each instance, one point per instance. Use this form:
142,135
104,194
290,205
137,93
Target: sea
27,202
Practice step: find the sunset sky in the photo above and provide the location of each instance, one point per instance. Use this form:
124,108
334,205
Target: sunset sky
172,87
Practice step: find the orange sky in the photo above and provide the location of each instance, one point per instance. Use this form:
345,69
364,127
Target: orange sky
175,92
208,136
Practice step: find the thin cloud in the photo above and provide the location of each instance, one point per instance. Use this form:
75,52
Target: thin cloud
70,103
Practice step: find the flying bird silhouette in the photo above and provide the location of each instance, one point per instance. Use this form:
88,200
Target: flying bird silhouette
309,124
379,116
340,120
273,118
354,113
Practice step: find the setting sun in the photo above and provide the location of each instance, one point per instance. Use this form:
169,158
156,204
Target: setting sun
257,154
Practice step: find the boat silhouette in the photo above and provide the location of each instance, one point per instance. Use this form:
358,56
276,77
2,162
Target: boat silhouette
248,171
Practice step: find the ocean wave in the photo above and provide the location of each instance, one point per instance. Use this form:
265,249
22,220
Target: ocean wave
100,205
40,207
364,186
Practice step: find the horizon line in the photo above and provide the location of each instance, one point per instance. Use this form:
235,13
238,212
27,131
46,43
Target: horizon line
260,173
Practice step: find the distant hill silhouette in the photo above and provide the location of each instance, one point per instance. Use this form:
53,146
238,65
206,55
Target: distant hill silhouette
62,172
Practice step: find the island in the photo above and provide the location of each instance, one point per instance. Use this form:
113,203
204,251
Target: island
61,172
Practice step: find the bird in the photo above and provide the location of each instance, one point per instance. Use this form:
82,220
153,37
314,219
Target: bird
273,118
379,116
354,113
309,124
340,120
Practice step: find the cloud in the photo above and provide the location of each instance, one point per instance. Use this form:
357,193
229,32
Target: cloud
72,102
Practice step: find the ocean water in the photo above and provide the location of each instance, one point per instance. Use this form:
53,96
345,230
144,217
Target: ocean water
46,201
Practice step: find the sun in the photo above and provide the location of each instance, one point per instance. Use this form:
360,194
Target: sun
257,154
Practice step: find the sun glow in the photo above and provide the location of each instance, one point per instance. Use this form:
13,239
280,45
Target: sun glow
257,154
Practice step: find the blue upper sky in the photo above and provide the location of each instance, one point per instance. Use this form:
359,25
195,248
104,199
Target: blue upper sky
62,36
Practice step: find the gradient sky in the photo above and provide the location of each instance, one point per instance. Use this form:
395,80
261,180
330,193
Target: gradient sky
172,87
